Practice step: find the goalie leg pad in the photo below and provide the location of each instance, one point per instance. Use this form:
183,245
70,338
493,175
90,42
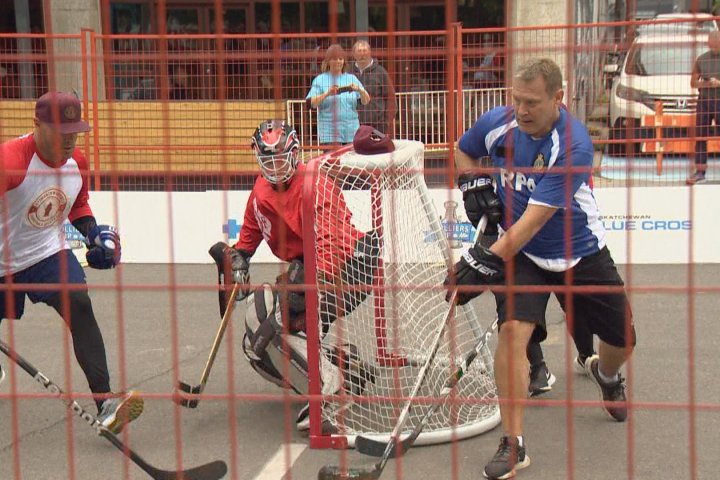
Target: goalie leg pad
274,354
263,366
261,319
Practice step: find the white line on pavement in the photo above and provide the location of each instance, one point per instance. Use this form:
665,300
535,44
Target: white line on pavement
276,468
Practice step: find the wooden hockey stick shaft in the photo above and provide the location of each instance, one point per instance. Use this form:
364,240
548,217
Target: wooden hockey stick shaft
198,389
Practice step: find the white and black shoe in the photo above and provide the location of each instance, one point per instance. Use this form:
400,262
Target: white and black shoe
509,458
302,422
541,380
580,364
612,394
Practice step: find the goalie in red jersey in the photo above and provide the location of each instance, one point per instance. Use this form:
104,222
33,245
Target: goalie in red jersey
274,213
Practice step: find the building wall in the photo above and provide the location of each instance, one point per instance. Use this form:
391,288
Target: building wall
72,16
528,13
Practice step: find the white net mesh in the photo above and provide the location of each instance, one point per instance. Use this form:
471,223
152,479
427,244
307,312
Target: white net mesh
380,284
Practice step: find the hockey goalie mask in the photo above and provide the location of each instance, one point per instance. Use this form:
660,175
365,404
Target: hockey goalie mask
276,148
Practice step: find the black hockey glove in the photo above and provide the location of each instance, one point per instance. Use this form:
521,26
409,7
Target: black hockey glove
239,266
480,199
477,267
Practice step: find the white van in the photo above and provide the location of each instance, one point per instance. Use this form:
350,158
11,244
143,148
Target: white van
680,23
657,67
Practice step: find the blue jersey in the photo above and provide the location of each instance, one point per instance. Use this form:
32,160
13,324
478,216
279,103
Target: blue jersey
553,170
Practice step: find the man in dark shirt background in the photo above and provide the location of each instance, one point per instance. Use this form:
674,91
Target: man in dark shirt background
380,112
706,78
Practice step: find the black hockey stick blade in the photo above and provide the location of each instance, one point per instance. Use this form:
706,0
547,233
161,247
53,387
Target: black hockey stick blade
210,471
375,448
335,472
183,400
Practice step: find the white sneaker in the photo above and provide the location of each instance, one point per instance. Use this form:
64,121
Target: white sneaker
580,366
2,374
120,410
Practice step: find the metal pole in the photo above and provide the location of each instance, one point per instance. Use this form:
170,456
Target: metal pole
24,48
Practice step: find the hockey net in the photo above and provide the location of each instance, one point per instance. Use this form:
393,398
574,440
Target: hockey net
394,326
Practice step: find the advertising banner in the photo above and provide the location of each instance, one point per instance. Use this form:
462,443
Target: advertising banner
652,225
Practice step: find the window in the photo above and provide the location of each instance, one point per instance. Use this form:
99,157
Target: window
22,79
133,78
289,17
317,16
656,59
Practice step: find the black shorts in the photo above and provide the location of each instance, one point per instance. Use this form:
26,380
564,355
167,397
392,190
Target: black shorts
604,314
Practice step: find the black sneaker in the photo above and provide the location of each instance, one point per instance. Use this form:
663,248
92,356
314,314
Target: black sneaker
541,380
612,394
509,458
696,177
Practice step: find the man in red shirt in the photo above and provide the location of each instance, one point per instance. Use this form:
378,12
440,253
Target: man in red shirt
274,213
43,183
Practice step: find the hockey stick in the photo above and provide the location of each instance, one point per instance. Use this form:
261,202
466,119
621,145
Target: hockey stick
182,399
335,472
375,448
210,471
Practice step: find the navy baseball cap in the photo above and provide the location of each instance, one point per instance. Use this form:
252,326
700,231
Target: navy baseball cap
62,111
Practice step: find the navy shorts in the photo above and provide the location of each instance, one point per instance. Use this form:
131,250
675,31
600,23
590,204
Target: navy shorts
604,314
45,271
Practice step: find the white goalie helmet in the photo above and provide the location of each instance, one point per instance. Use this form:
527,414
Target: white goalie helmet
276,148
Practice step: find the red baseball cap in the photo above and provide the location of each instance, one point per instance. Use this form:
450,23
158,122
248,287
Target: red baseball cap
370,141
62,111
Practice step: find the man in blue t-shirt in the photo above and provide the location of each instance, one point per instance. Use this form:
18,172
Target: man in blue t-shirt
551,236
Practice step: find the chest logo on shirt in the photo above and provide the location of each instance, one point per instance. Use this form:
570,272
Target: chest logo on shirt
517,180
48,209
539,163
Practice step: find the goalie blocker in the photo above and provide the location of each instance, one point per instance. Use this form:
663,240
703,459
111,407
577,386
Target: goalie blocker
275,327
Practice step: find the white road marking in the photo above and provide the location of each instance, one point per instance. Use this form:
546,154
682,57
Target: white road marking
276,468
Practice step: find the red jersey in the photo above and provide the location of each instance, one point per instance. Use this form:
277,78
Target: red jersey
35,201
277,217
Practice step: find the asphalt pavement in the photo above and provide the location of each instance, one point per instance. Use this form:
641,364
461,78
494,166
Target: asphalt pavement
159,322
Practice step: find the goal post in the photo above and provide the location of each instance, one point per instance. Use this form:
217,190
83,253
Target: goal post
392,300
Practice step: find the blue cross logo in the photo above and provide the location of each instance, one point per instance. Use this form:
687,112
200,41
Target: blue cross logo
232,228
